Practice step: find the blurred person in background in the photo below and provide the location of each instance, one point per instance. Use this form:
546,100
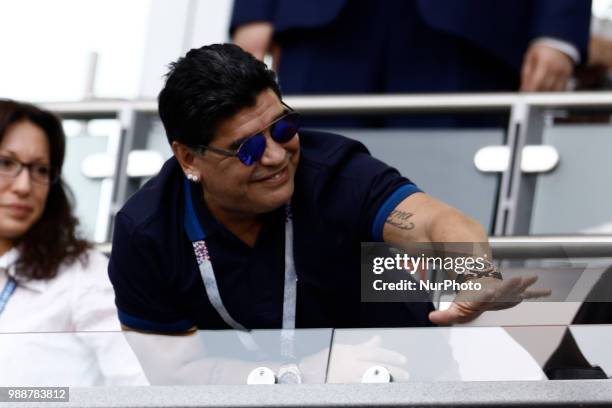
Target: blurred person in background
597,72
415,46
50,279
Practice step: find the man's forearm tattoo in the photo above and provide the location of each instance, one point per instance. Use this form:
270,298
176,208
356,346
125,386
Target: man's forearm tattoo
401,220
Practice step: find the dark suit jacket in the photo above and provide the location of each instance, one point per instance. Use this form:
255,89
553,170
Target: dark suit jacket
502,27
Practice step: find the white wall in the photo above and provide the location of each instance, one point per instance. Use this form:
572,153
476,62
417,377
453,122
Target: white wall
602,9
46,46
176,26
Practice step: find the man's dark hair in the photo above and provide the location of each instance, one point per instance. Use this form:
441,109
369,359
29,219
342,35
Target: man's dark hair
208,85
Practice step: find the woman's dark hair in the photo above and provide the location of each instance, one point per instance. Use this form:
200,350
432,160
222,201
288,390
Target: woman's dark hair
52,239
208,85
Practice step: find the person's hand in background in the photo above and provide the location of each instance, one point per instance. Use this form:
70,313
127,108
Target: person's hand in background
255,38
545,69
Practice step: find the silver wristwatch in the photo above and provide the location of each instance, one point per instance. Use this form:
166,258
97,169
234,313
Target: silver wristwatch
489,271
289,374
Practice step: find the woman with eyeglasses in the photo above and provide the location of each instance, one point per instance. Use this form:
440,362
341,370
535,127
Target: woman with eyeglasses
43,261
50,279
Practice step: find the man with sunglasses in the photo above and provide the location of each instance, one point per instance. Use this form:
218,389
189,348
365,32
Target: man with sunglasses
257,224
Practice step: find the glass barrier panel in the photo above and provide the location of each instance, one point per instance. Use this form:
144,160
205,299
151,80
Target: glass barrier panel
230,357
521,353
433,354
83,359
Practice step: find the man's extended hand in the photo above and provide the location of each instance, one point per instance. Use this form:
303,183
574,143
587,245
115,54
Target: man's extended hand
545,69
255,38
494,295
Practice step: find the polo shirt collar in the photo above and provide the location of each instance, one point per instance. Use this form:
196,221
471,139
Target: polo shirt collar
212,226
209,223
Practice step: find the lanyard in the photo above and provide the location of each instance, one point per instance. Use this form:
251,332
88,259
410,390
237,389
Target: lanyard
8,290
196,234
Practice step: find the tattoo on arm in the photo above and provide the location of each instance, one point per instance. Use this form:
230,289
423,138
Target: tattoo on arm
401,220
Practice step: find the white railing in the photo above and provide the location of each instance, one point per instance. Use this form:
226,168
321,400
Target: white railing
526,112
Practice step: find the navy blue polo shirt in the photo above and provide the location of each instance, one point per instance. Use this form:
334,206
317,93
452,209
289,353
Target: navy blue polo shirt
342,197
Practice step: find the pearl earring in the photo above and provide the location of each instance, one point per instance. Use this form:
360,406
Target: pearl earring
193,177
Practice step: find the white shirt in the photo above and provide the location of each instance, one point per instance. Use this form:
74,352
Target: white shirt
565,47
64,331
79,298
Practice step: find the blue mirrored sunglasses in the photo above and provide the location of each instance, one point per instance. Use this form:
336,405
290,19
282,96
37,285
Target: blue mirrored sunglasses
252,149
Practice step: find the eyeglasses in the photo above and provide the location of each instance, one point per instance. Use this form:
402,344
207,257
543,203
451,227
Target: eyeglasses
253,147
39,173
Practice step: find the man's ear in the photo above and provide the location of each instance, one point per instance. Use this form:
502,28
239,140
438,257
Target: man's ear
186,158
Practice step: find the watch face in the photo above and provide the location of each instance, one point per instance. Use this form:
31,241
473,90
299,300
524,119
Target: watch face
289,378
289,374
